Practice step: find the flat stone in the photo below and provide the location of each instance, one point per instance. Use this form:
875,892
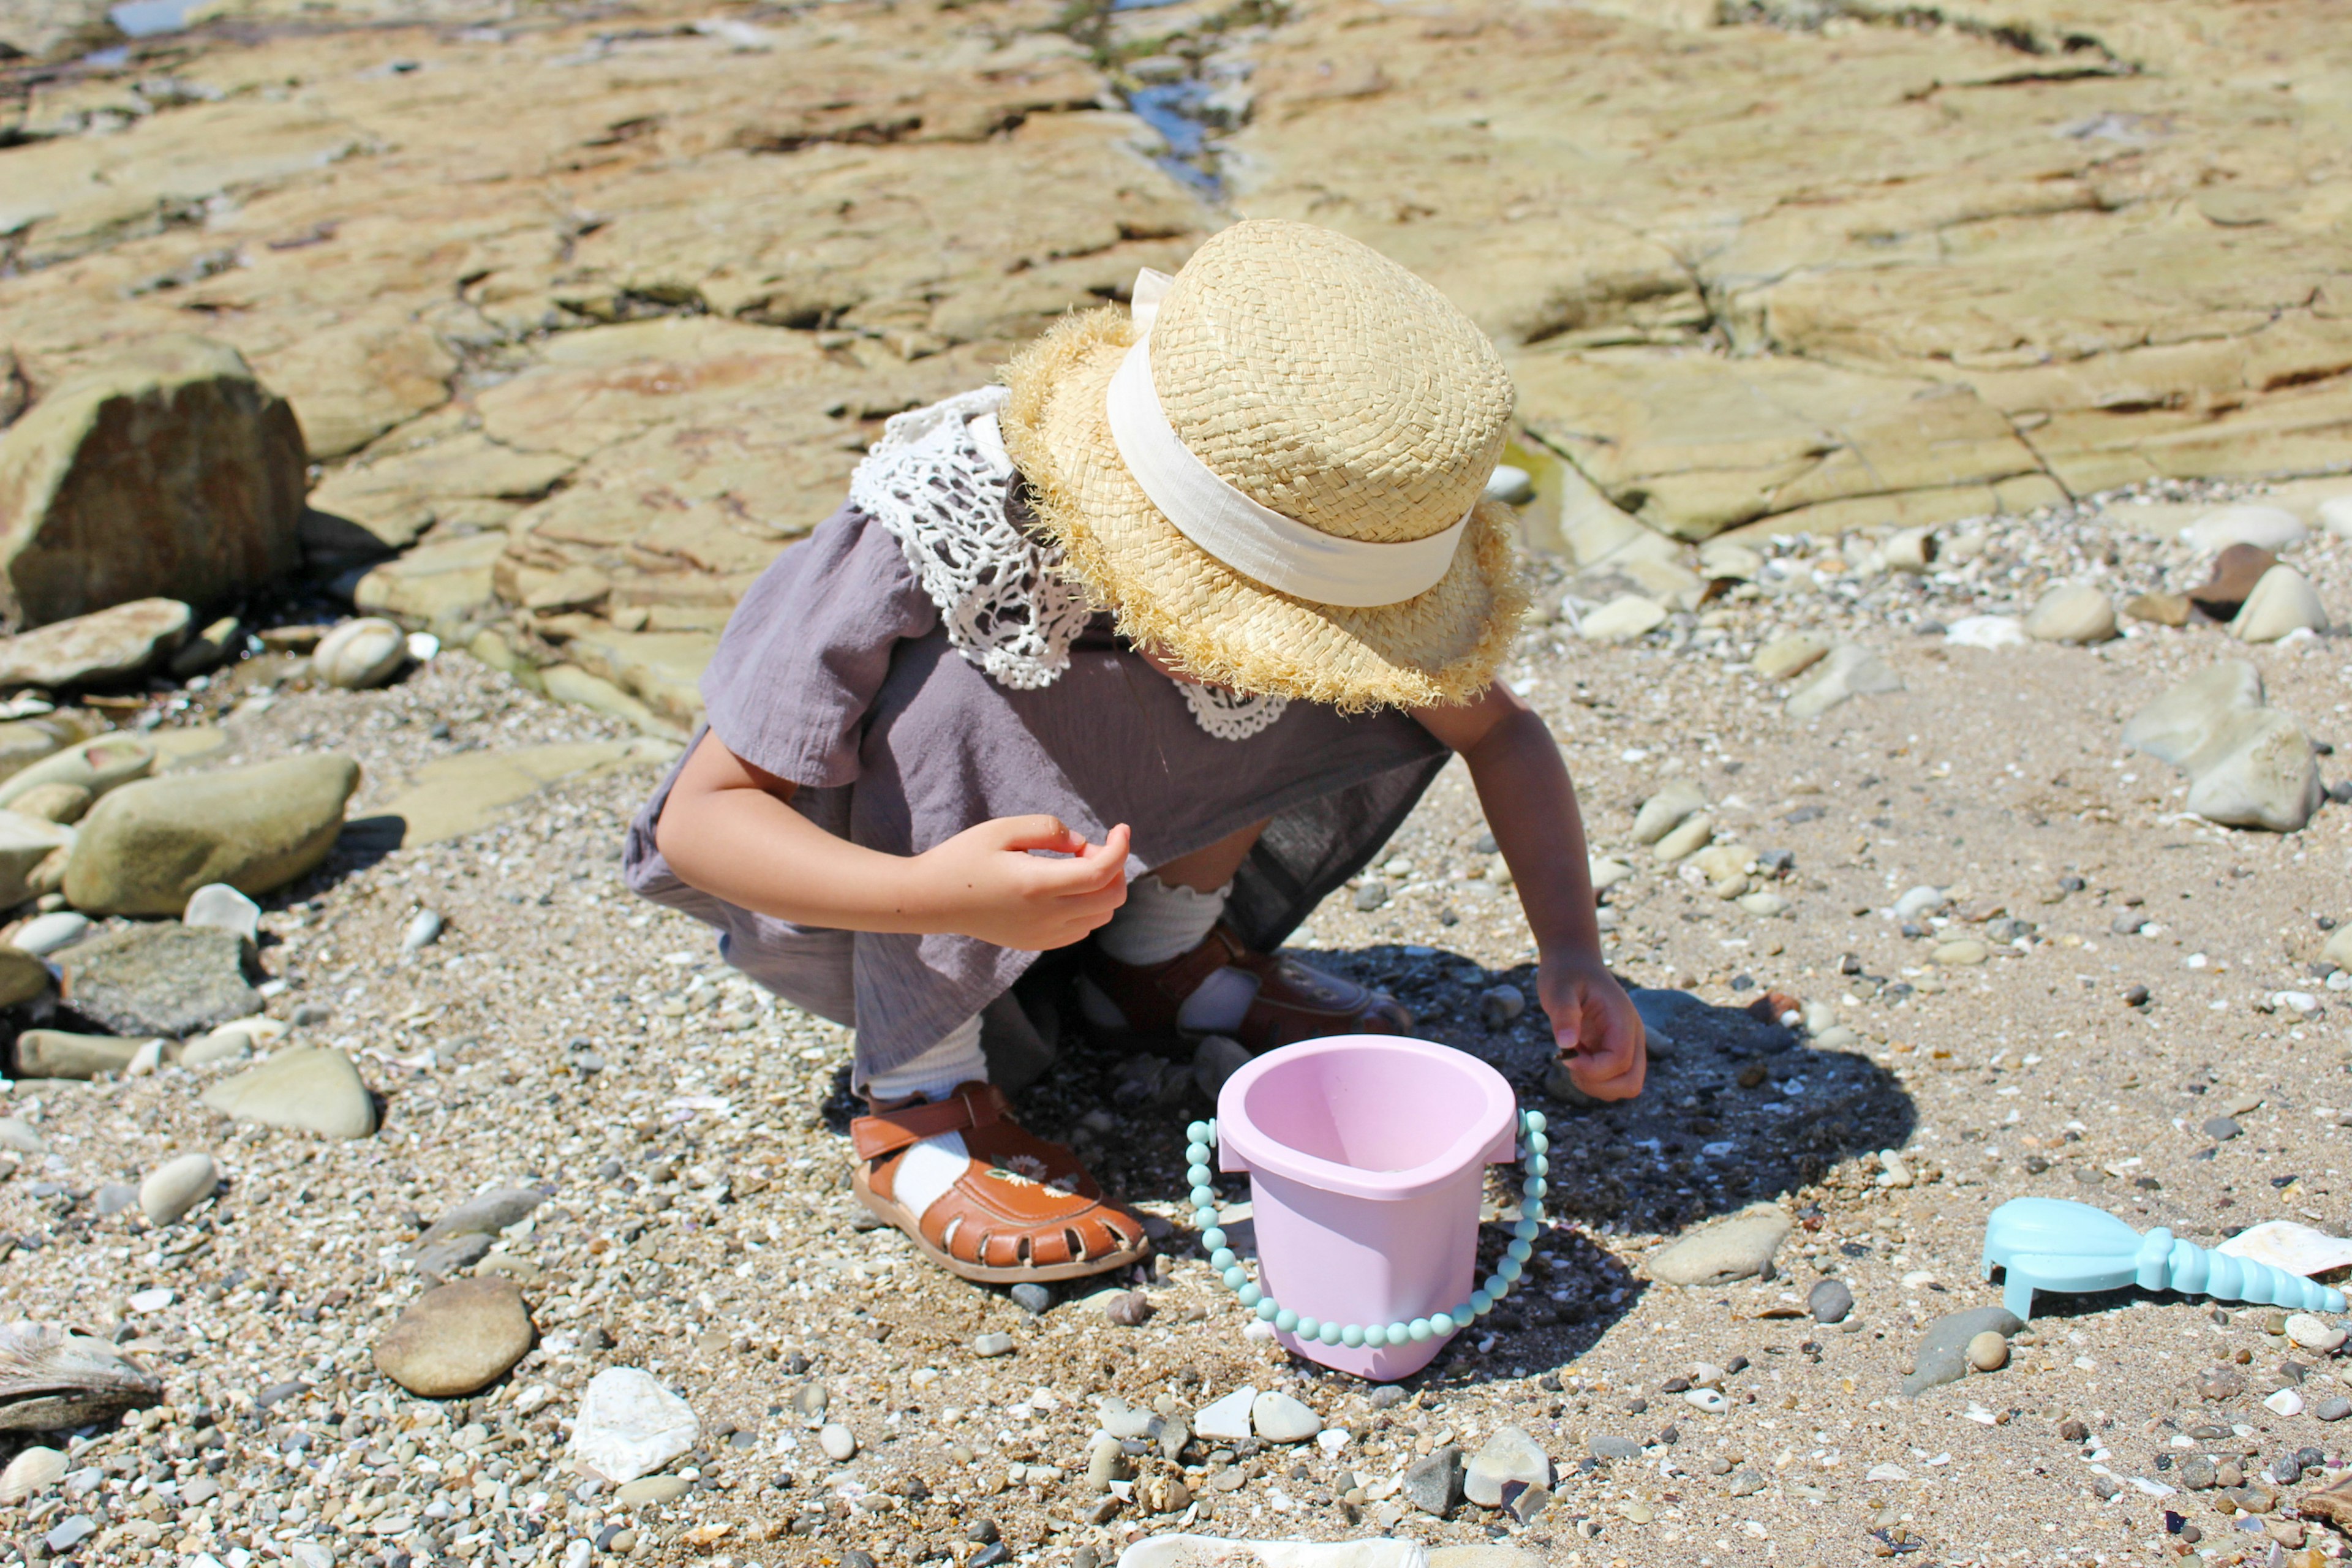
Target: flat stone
1622,619
484,1214
216,906
18,983
2260,527
1789,654
2158,609
171,980
1830,1300
1227,1420
1850,670
101,649
2172,727
2283,602
651,1492
20,1135
992,1345
2315,1333
1667,809
1739,1247
2072,613
2231,580
451,796
2334,1407
1943,1353
2256,770
630,1426
112,1198
1687,840
1433,1483
56,1053
359,653
456,1339
53,802
46,934
147,847
1745,1483
1962,952
1279,1418
1508,1455
1612,1448
307,1088
177,1186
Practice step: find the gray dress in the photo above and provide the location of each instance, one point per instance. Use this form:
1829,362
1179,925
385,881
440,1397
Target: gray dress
838,672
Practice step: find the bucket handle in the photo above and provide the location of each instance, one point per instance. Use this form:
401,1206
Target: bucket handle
1535,1166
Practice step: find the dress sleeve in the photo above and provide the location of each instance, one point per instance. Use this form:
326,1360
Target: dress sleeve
808,647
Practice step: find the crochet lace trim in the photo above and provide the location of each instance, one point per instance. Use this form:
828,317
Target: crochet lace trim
937,480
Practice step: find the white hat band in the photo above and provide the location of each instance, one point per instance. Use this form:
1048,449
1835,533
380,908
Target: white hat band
1255,541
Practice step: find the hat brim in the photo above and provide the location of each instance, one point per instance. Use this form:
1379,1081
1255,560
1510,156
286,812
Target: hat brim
1439,649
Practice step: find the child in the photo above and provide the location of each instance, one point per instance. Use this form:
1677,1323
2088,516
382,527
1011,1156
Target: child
1151,649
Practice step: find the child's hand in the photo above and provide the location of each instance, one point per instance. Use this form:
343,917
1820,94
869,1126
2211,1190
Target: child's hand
1594,1021
992,888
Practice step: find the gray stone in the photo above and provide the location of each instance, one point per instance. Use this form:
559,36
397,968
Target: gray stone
1942,1356
1739,1247
2221,1129
1032,1298
1371,895
216,906
1849,671
307,1089
146,848
113,1198
56,1053
1745,1483
175,1188
2255,770
1500,1006
2335,1407
457,1338
992,1345
839,1443
359,653
1215,1059
167,469
422,930
1106,1463
2197,1473
1610,1448
101,649
1433,1484
1509,1455
484,1213
809,1402
167,980
45,934
1830,1300
1279,1418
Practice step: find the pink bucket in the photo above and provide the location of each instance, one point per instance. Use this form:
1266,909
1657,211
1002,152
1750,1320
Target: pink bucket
1366,1156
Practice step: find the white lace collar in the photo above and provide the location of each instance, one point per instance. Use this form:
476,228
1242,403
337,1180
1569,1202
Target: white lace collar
936,480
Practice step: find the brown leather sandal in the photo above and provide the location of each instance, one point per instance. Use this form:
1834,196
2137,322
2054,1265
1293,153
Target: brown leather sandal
1023,1210
1293,1003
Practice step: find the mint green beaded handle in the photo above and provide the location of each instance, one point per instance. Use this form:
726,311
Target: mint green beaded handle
1535,1159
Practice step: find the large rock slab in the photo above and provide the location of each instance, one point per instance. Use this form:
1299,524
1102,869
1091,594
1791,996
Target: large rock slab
145,849
170,980
309,1089
457,796
96,649
170,470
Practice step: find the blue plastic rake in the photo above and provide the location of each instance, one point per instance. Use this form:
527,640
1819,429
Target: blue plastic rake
2050,1244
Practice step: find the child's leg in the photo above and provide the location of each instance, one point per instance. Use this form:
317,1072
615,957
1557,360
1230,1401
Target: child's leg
934,1075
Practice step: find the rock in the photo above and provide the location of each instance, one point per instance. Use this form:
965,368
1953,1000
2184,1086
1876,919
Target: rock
54,1053
1433,1484
1371,895
177,1186
1606,873
2339,949
1667,809
359,653
629,1425
2283,602
451,796
111,1199
2158,609
2197,1473
46,934
839,1443
1791,653
1032,1298
22,976
457,1338
166,470
1830,1300
1943,1353
1215,1059
1127,1309
2261,527
1986,632
1684,841
1962,952
2232,578
18,1134
26,843
62,803
1610,1448
1725,867
422,930
1228,1419
1486,1556
651,1491
1745,1483
1987,1352
2172,727
216,906
158,980
1499,1005
97,765
2256,770
991,1344
1622,619
34,1470
101,649
209,648
1509,1455
2072,613
1739,1247
1511,486
229,1043
487,1213
1763,906
2315,1333
2334,1407
1849,671
307,1089
147,847
1279,1418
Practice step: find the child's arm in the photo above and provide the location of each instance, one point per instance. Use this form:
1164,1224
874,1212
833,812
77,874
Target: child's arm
728,829
1530,807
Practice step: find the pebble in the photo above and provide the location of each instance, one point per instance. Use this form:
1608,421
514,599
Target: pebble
2221,1129
2335,1407
359,653
1667,809
1622,619
2248,765
1509,1455
2158,609
457,1338
1962,952
839,1443
1500,1005
2072,613
652,1490
19,1134
1987,1352
1790,654
1127,1309
177,1186
1433,1484
423,929
1739,1247
216,906
33,1470
1371,895
1850,670
1215,1059
992,1345
1830,1300
1691,835
1942,1356
1226,1420
2283,602
112,1198
54,1053
311,1088
2197,1473
2263,527
1745,1483
1032,1298
1763,906
630,1426
1894,1172
2315,1333
46,934
1510,485
1611,1448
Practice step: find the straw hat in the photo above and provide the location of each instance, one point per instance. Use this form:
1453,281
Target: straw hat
1271,471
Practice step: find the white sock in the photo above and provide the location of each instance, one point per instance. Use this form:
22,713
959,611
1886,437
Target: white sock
931,1167
1159,923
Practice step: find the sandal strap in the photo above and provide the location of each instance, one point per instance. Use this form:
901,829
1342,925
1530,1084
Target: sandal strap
1150,995
885,1132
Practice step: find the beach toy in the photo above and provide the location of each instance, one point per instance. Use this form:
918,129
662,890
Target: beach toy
1366,1155
2050,1244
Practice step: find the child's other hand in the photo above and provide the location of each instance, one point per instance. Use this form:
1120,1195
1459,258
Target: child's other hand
992,888
1594,1021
